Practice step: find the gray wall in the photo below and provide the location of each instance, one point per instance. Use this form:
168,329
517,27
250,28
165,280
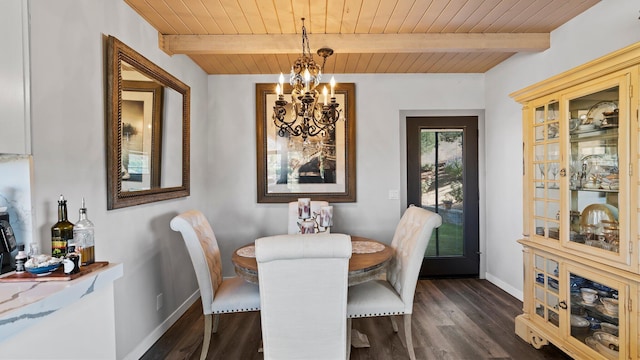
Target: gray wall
235,215
68,136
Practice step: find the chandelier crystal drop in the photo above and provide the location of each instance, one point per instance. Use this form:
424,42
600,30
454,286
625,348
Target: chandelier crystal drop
306,115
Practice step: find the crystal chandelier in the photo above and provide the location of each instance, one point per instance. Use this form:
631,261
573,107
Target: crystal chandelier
306,115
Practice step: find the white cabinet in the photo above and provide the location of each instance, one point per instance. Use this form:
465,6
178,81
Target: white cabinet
15,122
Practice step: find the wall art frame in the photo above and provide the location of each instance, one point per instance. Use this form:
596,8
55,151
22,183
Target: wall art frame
323,168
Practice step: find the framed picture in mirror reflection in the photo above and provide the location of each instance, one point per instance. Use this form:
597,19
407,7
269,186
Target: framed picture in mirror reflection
142,103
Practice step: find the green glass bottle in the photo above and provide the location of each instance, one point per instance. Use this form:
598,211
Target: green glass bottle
62,231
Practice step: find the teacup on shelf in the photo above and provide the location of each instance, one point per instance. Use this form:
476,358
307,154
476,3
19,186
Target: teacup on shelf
610,305
589,296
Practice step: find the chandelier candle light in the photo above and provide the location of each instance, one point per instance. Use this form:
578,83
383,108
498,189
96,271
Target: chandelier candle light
305,116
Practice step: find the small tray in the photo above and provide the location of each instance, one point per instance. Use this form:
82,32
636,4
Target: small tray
57,275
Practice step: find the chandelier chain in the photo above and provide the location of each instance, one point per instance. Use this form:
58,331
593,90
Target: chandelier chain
306,49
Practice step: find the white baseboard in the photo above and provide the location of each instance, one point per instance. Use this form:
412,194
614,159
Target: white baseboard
504,286
160,330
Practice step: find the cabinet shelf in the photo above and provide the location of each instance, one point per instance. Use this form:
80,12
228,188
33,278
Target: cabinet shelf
597,190
611,133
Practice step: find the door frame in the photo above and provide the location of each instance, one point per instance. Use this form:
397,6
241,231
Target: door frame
479,113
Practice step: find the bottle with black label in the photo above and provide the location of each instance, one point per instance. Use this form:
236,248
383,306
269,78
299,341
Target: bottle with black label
62,231
83,236
21,258
72,262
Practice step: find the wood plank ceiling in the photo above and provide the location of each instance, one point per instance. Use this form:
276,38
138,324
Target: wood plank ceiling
367,36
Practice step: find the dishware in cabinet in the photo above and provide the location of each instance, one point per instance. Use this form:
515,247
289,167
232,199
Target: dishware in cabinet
598,312
572,306
577,169
598,169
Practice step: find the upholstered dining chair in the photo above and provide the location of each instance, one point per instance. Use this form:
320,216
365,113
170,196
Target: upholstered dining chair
218,295
394,295
293,227
303,295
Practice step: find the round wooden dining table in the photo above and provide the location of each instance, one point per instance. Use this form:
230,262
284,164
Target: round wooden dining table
369,260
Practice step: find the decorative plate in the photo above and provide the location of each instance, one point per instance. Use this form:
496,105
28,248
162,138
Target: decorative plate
579,321
43,270
604,311
612,126
596,115
591,342
594,213
247,251
366,247
607,344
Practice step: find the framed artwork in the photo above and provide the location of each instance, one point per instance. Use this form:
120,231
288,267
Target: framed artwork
142,103
321,168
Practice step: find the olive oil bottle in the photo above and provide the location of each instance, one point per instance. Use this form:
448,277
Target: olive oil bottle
62,231
83,236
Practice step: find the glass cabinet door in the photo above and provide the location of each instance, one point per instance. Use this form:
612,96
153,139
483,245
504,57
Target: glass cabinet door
594,172
546,166
546,291
597,314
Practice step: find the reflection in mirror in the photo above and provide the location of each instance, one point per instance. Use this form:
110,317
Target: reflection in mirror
141,123
147,130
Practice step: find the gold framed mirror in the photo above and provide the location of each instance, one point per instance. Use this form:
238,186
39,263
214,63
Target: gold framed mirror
147,128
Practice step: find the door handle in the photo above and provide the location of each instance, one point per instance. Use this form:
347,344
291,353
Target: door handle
563,305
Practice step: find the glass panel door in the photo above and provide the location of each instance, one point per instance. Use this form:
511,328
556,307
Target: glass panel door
442,187
546,290
546,163
597,313
594,170
442,176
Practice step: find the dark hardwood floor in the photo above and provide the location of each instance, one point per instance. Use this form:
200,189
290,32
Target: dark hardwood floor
452,319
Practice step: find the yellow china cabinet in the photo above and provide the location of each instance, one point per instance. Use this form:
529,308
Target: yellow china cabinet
580,177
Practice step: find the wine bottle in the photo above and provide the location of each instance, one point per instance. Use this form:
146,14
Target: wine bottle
83,235
62,231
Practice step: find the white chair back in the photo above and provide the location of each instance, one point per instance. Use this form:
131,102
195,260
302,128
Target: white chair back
204,252
303,295
410,242
293,227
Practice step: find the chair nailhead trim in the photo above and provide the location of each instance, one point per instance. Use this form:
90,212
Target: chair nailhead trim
235,311
377,314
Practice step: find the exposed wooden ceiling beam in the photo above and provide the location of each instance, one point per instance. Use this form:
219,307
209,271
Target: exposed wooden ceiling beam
355,43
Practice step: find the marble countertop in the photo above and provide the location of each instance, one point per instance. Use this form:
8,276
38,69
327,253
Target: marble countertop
23,304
